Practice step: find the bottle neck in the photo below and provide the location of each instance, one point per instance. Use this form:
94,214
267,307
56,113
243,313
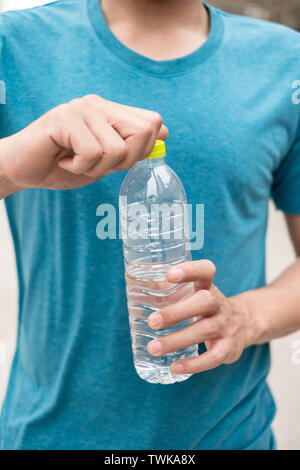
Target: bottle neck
151,162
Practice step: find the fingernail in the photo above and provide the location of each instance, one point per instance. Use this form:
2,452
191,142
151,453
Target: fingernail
177,368
154,347
176,274
155,320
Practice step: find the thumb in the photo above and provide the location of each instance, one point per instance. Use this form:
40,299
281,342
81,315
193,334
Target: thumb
163,133
201,272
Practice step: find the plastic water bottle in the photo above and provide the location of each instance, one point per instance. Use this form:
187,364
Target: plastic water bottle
155,236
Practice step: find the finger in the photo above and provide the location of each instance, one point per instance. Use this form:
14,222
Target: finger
197,332
151,116
140,144
148,115
163,133
115,149
139,128
206,361
200,303
201,272
86,148
129,126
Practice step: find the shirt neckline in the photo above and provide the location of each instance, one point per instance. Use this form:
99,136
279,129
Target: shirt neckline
150,66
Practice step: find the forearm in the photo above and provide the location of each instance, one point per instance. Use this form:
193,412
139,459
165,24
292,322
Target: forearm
6,187
274,310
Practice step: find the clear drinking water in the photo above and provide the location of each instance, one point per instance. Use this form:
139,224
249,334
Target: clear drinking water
155,237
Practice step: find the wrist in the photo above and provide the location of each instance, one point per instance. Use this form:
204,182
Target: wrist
7,186
256,328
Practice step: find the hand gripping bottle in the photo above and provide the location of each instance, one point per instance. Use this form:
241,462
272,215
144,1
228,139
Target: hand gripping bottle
155,237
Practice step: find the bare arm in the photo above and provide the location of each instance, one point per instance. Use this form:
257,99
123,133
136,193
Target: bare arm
77,143
276,307
6,188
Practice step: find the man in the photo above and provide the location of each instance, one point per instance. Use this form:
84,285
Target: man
85,83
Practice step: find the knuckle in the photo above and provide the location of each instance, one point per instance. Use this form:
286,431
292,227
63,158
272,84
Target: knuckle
80,106
208,299
192,270
117,152
211,268
56,121
156,119
94,153
57,115
93,98
208,328
60,108
122,151
217,355
146,130
76,102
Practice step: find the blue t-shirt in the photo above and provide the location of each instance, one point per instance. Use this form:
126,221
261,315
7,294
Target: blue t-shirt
234,142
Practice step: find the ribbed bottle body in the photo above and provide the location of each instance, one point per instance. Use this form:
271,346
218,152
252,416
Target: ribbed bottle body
155,235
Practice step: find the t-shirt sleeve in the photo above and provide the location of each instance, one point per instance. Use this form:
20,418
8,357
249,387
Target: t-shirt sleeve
286,185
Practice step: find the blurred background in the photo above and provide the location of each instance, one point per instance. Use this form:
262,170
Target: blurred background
286,12
285,374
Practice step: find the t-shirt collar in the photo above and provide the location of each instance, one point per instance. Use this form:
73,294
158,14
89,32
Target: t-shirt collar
154,67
